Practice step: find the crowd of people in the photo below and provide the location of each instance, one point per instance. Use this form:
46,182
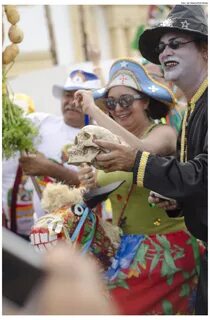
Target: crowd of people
161,208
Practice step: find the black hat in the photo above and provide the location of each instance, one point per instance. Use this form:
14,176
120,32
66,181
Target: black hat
189,19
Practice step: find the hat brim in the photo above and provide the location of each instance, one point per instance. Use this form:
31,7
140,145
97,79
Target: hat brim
59,90
150,38
149,86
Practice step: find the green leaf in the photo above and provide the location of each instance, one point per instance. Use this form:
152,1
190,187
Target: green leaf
140,256
163,241
186,275
122,275
18,132
167,307
179,255
118,283
164,269
170,280
135,42
154,263
185,290
157,246
169,260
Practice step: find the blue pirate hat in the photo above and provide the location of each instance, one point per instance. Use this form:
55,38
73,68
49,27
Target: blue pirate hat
128,72
77,79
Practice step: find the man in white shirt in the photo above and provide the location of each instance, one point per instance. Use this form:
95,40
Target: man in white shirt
55,132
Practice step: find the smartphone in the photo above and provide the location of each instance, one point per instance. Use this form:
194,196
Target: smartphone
163,198
21,268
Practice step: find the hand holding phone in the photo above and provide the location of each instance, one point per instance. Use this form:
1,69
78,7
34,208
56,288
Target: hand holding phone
156,199
160,196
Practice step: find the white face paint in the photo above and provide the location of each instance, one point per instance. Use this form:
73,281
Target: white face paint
180,64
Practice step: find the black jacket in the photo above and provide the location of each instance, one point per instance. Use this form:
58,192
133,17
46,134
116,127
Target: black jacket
186,182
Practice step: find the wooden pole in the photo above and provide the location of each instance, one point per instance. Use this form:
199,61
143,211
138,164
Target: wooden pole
51,34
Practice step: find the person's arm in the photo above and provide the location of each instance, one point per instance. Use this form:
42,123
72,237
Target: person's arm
162,140
39,165
165,175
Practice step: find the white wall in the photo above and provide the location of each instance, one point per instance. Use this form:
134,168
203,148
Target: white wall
63,38
36,36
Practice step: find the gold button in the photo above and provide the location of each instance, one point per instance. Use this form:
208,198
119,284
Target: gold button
157,222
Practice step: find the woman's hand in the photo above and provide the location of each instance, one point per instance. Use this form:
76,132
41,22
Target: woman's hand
84,99
162,203
87,176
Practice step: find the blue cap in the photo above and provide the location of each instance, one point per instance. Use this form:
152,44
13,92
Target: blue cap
77,79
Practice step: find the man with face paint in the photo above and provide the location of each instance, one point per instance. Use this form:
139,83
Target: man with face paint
179,44
55,132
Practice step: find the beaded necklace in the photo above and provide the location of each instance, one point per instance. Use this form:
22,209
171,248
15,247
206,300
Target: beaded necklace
122,220
188,112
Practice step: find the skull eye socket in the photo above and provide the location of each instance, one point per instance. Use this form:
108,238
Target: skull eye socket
86,135
78,209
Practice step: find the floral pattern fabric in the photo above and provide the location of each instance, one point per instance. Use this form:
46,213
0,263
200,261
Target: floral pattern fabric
155,274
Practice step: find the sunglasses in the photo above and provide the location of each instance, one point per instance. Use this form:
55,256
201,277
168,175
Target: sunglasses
173,44
125,101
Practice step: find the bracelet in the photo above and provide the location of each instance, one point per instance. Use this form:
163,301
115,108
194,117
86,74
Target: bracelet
136,166
142,167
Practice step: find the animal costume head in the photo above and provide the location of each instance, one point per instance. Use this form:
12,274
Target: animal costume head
69,216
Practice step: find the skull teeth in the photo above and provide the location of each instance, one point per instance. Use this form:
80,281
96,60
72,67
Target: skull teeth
36,238
42,238
43,247
52,237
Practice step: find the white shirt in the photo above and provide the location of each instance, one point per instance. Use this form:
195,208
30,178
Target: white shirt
53,135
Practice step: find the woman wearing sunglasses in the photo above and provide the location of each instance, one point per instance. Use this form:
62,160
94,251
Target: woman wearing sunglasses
149,267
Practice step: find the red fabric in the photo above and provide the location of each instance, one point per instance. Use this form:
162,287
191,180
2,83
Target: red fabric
149,293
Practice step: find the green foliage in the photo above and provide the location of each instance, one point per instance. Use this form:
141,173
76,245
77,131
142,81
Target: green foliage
185,290
18,132
119,282
141,254
135,42
167,307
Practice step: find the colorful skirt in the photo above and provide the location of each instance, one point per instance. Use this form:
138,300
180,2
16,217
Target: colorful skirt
155,274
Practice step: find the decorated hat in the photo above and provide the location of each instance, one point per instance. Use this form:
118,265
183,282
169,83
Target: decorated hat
189,19
128,72
77,79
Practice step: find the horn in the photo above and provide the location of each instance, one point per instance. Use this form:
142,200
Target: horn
97,195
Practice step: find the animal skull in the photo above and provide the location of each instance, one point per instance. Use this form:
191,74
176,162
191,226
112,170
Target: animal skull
84,149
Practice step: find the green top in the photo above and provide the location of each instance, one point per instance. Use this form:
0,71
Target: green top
140,217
